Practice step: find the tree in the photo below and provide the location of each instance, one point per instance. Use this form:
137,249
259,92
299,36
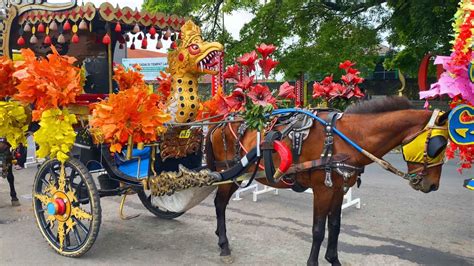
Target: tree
314,36
418,27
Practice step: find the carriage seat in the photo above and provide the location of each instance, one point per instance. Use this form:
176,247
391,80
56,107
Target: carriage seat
131,167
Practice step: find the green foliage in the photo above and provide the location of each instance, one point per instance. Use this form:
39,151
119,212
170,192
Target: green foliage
419,27
316,35
255,115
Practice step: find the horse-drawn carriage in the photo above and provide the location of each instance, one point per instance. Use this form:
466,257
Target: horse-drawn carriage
168,173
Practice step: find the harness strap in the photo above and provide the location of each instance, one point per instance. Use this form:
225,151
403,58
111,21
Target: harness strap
328,149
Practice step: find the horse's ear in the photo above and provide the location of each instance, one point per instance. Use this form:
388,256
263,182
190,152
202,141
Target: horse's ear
441,121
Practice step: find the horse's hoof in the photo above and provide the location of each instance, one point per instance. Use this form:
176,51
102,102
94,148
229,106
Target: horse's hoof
15,203
227,259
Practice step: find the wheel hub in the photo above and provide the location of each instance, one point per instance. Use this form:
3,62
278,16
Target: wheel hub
57,207
60,206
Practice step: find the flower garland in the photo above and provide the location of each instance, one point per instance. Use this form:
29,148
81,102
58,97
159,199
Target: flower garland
253,100
13,117
133,112
50,84
13,122
329,91
455,81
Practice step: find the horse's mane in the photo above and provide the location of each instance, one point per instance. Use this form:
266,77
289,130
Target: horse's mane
380,105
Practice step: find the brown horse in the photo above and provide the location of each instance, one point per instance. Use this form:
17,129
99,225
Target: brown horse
378,126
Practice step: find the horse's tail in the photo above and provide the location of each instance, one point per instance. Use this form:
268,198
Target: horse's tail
210,159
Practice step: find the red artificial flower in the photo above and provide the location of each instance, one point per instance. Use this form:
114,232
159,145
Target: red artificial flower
287,91
245,83
352,71
261,95
346,64
232,72
236,100
327,80
267,65
266,50
248,60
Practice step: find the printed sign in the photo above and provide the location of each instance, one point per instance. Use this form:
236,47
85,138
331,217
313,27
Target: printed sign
151,67
461,125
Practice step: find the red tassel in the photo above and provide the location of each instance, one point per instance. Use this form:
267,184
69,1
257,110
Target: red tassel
152,36
21,41
41,27
75,38
118,27
144,43
140,37
127,38
67,26
173,45
152,31
132,47
106,40
47,40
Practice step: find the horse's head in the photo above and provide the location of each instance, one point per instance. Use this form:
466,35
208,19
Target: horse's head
424,153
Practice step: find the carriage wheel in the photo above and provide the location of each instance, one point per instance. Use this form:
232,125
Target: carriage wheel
164,214
67,207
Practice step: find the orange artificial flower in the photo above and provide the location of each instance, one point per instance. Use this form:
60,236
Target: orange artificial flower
127,79
133,112
7,81
164,88
47,83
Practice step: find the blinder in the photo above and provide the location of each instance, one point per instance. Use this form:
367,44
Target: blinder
428,146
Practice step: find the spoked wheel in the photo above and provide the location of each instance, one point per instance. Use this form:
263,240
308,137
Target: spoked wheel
147,202
67,207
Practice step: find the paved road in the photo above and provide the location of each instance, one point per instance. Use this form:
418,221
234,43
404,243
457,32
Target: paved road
395,225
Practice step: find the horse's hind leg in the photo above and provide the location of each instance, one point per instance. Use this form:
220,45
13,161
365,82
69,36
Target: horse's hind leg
11,182
334,227
223,195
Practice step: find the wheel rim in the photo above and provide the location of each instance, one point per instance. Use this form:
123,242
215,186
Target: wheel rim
63,206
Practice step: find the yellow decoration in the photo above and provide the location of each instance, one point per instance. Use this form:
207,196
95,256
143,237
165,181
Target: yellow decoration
13,122
56,134
74,28
192,58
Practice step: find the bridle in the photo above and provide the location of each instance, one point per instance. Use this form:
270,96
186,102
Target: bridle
415,176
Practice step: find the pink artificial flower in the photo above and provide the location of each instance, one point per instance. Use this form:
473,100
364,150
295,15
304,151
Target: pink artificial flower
245,83
267,65
248,60
261,95
232,72
266,50
236,100
287,91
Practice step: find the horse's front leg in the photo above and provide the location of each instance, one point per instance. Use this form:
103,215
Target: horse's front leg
321,204
334,227
11,182
223,195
